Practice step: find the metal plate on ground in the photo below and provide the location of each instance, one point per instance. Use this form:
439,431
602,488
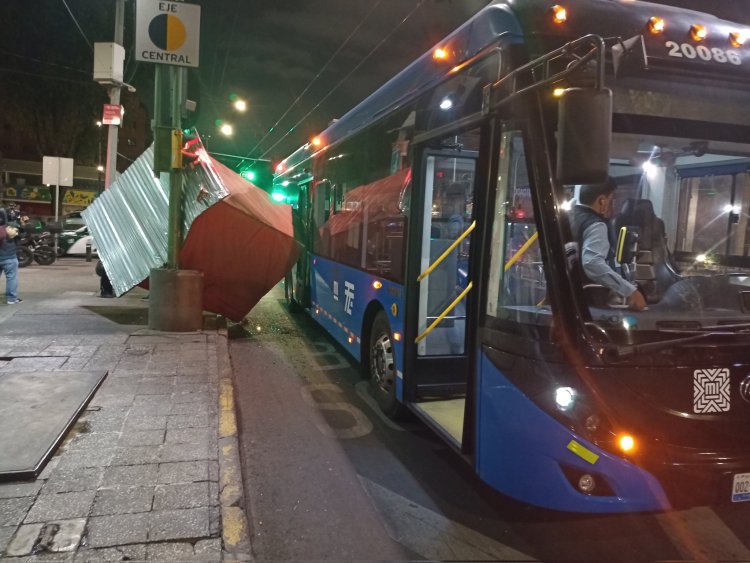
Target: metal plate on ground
36,410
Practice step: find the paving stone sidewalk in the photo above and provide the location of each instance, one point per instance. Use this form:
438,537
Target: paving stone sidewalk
137,478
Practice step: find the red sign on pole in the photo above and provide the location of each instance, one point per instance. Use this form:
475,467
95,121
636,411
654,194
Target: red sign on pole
112,114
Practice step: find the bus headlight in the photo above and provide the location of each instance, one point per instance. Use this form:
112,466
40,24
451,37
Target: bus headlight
565,397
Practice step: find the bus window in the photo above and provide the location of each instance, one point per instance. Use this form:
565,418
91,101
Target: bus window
517,285
720,227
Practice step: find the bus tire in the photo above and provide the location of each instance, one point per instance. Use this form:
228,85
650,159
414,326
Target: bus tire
381,358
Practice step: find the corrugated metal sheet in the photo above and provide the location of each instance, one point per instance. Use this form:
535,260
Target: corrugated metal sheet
129,220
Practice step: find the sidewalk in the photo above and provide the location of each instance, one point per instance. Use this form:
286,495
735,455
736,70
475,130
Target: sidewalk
150,471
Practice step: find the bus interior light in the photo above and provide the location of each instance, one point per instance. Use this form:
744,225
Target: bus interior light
656,25
737,38
559,14
558,92
446,103
698,32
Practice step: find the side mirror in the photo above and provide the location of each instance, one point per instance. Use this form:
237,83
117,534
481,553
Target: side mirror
584,134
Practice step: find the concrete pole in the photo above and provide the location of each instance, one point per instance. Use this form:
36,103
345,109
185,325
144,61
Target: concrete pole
114,99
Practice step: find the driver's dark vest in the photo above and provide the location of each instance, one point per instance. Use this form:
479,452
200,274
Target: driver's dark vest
581,218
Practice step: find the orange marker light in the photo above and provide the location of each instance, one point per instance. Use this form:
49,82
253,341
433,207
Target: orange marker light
558,92
316,141
377,284
737,39
656,25
440,54
559,14
626,443
280,167
397,336
698,32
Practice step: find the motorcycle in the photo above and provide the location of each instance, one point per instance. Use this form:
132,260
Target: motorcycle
35,247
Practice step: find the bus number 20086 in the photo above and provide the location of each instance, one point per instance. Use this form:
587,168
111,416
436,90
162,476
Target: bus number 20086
716,54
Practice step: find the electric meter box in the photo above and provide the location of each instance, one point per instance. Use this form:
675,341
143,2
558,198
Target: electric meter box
109,59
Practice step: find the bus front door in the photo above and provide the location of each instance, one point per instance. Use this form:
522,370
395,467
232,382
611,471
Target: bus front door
438,371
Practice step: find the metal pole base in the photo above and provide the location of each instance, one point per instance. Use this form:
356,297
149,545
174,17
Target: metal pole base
175,301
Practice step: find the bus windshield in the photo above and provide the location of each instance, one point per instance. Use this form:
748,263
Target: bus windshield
678,229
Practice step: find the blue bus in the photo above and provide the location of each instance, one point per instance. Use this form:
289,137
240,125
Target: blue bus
438,251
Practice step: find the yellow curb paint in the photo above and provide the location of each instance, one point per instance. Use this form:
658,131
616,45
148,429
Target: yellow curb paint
226,398
227,424
235,525
582,452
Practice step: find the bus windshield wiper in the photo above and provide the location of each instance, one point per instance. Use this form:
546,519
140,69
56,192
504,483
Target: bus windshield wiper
631,350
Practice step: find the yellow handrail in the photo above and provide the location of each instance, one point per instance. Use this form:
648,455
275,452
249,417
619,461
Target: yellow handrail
442,257
521,250
428,330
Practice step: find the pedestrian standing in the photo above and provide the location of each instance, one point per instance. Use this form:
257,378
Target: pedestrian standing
8,258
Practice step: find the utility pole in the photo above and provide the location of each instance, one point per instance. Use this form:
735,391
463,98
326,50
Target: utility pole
114,99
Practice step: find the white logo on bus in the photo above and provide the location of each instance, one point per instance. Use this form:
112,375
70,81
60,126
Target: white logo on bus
711,390
349,294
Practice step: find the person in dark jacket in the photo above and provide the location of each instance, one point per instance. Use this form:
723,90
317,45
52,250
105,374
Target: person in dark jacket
8,258
590,230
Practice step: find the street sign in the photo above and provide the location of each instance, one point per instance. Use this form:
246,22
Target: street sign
167,32
57,171
111,114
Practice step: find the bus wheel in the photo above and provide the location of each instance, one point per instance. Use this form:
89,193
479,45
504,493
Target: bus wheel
382,367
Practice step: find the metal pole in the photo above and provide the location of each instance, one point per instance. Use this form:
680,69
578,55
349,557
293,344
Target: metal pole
174,226
114,99
57,204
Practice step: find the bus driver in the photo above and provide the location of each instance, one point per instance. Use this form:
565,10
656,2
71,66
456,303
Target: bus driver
590,230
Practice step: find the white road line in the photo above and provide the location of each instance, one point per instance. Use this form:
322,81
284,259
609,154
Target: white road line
700,535
432,535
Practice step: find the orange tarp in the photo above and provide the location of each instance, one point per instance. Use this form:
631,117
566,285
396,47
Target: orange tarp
244,245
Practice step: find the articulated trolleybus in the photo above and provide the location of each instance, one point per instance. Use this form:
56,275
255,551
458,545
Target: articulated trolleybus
438,250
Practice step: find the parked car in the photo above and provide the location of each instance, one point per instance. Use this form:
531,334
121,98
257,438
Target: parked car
72,221
73,243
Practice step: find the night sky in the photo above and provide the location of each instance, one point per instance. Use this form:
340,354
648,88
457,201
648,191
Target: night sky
266,51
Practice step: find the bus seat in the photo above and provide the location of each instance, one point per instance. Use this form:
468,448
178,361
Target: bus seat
654,270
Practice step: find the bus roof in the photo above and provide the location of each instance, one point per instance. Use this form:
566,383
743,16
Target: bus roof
529,22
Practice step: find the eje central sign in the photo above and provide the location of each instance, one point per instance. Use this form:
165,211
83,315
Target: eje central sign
167,32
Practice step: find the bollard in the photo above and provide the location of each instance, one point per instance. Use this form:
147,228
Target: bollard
88,251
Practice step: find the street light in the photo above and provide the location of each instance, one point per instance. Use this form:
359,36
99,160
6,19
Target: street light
240,105
226,129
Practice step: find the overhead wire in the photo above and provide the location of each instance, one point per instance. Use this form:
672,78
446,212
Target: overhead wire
78,25
332,90
320,72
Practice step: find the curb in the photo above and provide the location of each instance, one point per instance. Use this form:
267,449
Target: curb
235,530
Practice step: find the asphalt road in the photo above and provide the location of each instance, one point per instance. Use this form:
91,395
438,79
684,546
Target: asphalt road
327,478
